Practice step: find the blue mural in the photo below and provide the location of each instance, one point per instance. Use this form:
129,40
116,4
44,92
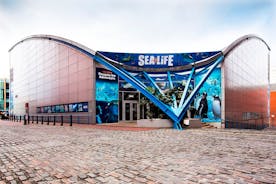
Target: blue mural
150,60
107,96
209,109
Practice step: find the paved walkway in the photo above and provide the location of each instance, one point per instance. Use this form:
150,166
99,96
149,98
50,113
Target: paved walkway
54,154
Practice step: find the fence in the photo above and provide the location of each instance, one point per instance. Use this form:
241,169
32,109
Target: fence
52,119
257,124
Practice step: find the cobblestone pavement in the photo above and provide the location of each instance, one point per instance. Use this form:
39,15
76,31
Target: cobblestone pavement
54,154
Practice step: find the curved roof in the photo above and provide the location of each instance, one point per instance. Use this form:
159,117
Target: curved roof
55,38
239,41
89,51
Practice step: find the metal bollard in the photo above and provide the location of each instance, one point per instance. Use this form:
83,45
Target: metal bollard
48,120
32,119
36,119
28,119
54,120
20,118
42,120
71,120
25,122
61,121
61,118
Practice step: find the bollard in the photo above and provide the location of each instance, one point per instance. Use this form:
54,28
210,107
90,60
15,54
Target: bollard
54,120
41,120
16,118
32,119
48,120
71,120
36,119
61,121
20,118
28,119
25,122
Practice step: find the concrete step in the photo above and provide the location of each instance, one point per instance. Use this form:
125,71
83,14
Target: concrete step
207,125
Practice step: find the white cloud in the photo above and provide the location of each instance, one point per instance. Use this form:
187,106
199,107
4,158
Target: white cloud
127,26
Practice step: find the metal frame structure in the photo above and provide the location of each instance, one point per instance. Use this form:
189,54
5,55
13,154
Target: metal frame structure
174,111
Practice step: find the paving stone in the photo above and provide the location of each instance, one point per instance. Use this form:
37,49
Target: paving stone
82,176
23,178
83,154
90,180
13,182
9,178
101,179
59,176
92,175
27,182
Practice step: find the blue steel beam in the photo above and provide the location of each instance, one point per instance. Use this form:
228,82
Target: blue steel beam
184,94
152,82
134,78
171,87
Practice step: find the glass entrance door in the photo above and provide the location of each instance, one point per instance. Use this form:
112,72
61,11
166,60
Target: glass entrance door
130,111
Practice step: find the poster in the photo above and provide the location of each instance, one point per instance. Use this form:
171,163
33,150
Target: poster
107,96
212,89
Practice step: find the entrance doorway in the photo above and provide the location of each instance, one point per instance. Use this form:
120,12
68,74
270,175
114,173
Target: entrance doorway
129,105
130,110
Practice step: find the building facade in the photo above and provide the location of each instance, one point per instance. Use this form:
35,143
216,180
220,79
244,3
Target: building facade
246,83
53,76
4,95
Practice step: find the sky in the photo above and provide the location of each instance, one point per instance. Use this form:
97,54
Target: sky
139,25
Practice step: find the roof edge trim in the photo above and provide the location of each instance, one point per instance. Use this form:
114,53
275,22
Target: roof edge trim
239,41
54,38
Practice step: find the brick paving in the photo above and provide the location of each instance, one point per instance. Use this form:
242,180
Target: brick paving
86,154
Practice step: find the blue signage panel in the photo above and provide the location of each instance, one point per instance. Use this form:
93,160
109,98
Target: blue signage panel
157,60
107,96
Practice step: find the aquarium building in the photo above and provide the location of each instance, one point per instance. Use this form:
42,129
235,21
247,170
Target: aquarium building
54,76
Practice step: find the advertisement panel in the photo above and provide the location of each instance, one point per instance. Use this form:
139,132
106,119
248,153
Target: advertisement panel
107,96
208,99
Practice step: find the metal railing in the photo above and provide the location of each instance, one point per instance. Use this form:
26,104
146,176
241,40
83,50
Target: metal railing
62,119
257,124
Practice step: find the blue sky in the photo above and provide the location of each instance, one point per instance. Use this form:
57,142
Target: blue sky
138,25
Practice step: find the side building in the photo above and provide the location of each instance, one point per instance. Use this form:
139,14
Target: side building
273,105
4,97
